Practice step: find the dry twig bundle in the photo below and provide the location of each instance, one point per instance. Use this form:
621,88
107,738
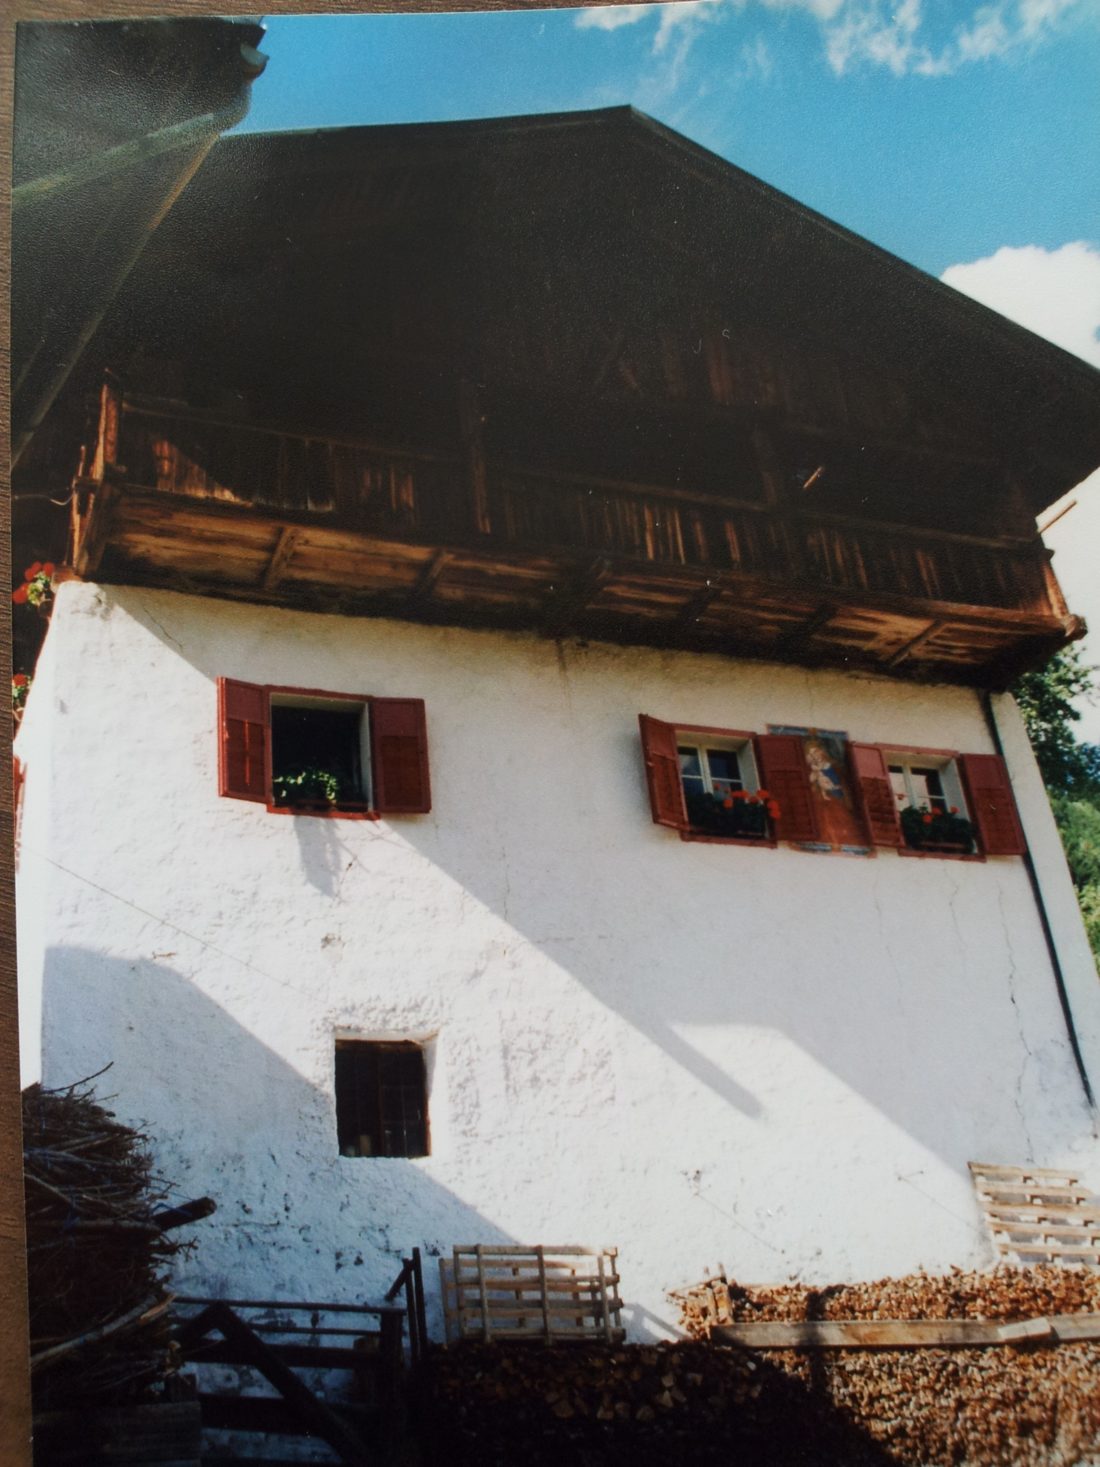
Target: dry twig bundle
96,1249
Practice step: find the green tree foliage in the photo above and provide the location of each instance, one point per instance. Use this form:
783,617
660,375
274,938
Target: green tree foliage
1071,771
1068,767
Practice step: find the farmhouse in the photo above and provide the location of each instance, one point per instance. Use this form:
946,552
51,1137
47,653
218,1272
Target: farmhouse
521,750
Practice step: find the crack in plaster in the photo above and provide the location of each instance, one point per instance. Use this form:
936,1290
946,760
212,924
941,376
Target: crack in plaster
1017,1098
160,628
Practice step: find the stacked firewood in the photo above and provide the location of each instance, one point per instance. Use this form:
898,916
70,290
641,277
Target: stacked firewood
501,1404
702,1402
1003,1293
97,1225
1031,1404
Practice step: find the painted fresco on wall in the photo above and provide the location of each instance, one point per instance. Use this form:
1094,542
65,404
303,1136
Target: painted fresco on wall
832,790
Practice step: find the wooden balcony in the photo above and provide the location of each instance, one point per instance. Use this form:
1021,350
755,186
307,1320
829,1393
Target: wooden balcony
184,500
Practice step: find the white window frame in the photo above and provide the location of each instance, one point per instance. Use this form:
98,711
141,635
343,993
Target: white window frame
908,761
702,740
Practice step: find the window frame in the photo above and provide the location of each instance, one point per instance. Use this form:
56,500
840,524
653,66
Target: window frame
257,699
697,735
941,760
306,698
382,1048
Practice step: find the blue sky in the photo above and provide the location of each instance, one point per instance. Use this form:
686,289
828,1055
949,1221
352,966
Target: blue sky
941,129
963,135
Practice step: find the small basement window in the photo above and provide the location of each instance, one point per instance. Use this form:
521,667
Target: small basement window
931,808
381,1098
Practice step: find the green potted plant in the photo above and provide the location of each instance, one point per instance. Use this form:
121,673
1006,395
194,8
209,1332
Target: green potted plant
311,786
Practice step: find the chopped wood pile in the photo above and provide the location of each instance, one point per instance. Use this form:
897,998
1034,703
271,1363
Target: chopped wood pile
591,1405
1033,1403
97,1242
1022,1404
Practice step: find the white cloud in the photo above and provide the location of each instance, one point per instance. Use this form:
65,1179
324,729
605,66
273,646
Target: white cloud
611,17
896,34
1055,293
683,18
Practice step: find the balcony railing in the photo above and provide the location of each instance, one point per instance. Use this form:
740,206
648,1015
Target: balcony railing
429,496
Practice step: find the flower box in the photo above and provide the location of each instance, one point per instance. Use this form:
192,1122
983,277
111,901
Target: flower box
744,817
937,832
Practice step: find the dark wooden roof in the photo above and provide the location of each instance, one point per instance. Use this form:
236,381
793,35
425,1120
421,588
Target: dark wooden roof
552,251
573,373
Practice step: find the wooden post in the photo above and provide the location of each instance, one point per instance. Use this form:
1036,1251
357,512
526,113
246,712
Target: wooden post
473,445
418,1293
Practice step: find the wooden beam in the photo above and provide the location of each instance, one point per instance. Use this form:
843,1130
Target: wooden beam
616,342
914,643
421,593
799,635
906,1334
280,556
694,607
470,419
91,527
572,599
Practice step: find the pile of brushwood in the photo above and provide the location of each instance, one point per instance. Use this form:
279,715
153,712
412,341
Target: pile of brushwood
702,1402
97,1238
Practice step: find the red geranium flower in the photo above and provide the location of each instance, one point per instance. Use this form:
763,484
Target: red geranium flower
32,570
48,568
727,803
773,809
764,795
19,595
19,680
740,794
927,819
954,809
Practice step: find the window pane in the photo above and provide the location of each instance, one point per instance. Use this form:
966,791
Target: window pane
691,770
725,770
900,786
928,788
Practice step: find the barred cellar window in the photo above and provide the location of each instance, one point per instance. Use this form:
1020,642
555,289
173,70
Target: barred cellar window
381,1098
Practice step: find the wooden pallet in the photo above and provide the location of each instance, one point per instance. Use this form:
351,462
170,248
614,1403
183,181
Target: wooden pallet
551,1294
1036,1215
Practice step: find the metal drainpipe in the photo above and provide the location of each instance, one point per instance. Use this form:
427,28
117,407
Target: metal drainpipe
1044,920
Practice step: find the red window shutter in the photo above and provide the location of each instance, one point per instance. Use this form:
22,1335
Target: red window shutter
880,808
242,739
992,804
783,773
399,756
662,772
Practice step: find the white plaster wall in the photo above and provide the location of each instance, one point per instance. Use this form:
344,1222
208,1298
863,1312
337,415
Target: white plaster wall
699,1053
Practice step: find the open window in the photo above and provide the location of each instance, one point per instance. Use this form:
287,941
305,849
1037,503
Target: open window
304,751
705,782
937,802
381,1098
